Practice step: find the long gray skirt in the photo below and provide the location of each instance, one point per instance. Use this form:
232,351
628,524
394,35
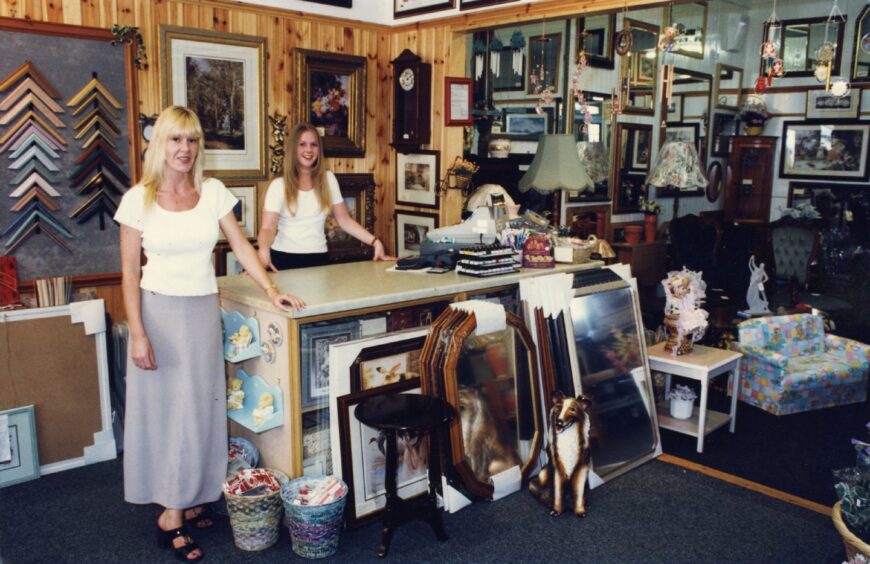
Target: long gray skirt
175,426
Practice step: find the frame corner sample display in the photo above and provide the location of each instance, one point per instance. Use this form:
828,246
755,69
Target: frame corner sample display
831,150
331,95
222,78
417,178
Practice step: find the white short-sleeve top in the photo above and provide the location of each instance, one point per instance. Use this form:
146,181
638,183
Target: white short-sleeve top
302,232
178,245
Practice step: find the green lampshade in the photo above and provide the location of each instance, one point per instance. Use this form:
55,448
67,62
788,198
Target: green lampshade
556,166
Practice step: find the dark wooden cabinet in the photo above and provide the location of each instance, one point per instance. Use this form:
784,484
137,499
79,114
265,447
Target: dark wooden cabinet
749,178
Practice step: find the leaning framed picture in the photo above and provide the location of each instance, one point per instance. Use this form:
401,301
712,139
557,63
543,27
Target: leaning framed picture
405,8
830,150
363,460
641,145
417,178
824,105
411,231
315,340
457,102
19,455
331,95
389,363
358,191
245,209
222,78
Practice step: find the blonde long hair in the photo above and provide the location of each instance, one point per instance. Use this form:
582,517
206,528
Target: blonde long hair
291,170
173,121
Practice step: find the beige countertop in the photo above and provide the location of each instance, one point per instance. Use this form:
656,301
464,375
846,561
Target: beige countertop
357,285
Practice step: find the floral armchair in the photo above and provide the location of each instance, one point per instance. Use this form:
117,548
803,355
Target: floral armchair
790,365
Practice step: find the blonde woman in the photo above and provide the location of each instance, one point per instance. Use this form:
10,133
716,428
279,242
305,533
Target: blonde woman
296,206
175,438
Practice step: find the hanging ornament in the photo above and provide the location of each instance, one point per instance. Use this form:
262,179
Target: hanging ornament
479,50
577,92
825,52
840,87
539,76
495,47
517,44
771,64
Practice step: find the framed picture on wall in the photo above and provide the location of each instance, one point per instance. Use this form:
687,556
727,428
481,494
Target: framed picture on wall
417,178
544,62
199,67
245,210
405,8
675,109
831,150
641,146
457,102
687,132
411,230
358,191
824,105
471,4
19,455
524,122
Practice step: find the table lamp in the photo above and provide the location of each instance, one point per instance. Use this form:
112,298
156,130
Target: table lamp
556,166
678,167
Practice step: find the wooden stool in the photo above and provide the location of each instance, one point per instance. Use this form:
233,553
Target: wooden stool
411,413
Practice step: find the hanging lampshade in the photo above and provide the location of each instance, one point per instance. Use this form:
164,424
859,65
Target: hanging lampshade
556,166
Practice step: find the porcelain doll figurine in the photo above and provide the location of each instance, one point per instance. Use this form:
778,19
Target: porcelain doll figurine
264,410
235,394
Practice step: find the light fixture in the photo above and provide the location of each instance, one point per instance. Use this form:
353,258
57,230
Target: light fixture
677,167
556,166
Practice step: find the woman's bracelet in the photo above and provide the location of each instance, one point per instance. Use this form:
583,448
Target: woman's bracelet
271,286
375,240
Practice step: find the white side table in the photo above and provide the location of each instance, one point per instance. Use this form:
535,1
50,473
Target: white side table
702,364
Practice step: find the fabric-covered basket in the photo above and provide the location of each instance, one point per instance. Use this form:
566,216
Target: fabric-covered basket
314,529
256,519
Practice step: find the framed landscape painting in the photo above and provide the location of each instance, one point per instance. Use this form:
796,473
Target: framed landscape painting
832,150
222,78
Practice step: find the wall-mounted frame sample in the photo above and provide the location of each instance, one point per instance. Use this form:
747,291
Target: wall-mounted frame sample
544,62
222,78
631,169
457,101
640,96
725,126
692,16
799,42
729,84
595,36
18,441
417,179
861,47
824,105
339,3
524,121
471,4
69,386
358,191
675,109
40,46
411,230
830,150
246,210
332,96
406,8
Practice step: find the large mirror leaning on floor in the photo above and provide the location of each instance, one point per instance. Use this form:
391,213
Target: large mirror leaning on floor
638,74
633,146
688,114
861,48
614,375
492,381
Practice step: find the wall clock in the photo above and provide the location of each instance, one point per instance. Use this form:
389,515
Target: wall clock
412,97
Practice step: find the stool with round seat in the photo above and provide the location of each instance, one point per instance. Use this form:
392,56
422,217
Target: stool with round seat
408,413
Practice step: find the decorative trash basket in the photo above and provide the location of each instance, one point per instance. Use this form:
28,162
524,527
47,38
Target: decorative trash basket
314,529
256,519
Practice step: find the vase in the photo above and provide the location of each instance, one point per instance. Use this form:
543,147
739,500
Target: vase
632,234
682,409
650,223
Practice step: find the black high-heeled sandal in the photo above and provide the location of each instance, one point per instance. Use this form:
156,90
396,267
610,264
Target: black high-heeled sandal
165,538
202,520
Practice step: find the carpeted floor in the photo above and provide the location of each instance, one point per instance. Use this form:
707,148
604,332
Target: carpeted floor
655,513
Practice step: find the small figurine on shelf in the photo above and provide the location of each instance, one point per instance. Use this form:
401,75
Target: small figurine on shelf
235,394
756,299
264,410
242,338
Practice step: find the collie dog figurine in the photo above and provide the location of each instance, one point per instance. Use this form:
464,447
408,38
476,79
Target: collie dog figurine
568,452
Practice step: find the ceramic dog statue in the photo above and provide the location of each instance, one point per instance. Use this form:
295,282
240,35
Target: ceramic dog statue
568,452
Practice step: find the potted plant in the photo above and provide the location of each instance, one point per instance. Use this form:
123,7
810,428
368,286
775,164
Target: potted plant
851,514
682,400
651,211
461,171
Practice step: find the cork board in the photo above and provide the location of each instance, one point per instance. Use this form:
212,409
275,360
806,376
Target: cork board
52,364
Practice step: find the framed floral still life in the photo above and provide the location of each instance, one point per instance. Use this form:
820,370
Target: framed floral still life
358,191
825,150
19,455
222,78
315,339
331,96
245,210
417,178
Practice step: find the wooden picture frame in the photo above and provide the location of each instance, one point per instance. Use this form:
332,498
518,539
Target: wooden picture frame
315,339
861,47
725,125
641,149
798,55
675,110
688,132
823,105
246,210
508,80
18,427
729,85
337,3
597,42
629,183
524,122
193,64
693,16
406,8
358,191
457,101
829,150
326,81
472,4
411,229
386,364
544,50
361,458
417,178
